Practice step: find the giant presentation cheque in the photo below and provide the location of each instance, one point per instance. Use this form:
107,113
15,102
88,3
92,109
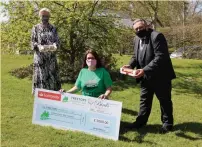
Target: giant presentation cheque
77,112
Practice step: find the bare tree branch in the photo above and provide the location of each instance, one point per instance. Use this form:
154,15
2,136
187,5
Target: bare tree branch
195,7
143,4
135,12
151,4
97,24
93,9
57,3
75,6
159,22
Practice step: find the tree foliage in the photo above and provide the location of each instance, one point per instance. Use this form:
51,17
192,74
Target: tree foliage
93,24
81,26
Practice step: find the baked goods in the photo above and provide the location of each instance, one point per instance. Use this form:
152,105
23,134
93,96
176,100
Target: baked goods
127,71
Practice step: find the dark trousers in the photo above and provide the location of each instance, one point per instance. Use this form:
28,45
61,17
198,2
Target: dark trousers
162,90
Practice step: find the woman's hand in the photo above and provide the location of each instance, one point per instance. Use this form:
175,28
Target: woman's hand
107,93
62,90
103,96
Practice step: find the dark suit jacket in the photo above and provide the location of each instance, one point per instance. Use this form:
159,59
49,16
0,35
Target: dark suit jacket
155,58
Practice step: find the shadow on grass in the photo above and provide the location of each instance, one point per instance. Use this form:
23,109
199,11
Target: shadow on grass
188,67
124,83
147,129
188,84
193,127
185,83
180,130
142,132
130,112
138,139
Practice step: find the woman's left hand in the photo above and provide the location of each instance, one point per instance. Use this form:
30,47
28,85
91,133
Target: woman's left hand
62,90
102,96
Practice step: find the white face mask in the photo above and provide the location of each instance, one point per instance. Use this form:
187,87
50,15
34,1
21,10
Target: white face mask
91,62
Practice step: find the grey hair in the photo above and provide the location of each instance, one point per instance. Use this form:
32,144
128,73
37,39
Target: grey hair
44,9
140,20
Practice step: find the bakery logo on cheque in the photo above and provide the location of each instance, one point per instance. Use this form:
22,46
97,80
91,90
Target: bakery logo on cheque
65,99
78,100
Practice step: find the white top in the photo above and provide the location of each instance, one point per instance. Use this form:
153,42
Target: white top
141,45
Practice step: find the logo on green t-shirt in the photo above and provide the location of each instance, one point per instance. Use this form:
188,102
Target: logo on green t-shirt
91,84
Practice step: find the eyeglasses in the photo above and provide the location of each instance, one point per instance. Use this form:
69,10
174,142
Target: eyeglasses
92,58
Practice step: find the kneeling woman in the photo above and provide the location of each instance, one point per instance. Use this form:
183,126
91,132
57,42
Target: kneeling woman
93,79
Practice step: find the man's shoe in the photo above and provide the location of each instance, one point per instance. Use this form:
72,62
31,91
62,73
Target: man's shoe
135,125
166,128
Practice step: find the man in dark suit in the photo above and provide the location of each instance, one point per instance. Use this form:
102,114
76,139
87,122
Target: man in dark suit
154,71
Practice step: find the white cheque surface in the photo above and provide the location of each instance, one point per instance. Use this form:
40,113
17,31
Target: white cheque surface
77,112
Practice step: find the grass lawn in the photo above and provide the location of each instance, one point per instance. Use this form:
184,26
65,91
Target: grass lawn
17,106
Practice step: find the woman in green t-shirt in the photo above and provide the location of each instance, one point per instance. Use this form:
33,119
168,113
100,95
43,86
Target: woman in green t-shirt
93,79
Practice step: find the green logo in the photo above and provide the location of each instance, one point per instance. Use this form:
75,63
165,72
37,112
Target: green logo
45,115
65,99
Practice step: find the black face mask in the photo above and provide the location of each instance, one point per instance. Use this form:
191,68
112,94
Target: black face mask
44,19
142,33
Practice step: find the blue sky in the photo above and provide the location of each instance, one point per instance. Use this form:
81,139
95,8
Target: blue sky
2,17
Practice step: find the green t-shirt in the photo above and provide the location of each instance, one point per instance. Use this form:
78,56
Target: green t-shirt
93,83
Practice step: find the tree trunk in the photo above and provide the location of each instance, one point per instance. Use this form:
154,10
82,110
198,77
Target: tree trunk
155,14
